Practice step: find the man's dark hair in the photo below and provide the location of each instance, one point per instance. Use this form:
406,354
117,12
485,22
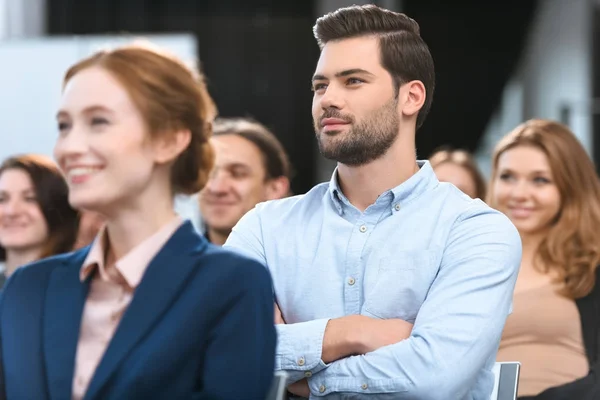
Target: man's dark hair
404,54
275,159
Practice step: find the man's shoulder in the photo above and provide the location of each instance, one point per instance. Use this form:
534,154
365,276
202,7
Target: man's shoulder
474,219
462,205
223,262
482,213
307,201
231,269
474,212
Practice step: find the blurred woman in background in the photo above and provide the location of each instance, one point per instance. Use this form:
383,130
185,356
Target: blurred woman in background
36,219
544,181
459,168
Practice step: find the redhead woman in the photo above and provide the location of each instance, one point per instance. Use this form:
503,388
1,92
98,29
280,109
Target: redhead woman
150,310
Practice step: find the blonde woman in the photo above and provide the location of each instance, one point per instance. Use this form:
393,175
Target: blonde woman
544,181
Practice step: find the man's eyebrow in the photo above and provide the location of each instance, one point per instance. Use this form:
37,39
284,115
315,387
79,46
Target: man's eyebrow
352,71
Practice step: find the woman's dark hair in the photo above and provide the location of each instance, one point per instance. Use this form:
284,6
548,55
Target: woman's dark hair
52,194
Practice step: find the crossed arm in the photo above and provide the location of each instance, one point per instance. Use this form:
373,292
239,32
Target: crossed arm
350,335
455,335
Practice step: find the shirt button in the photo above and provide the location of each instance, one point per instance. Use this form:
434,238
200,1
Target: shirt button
322,388
364,386
308,374
301,361
351,281
363,228
397,207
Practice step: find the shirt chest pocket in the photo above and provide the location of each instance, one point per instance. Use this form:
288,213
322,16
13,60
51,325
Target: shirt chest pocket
401,285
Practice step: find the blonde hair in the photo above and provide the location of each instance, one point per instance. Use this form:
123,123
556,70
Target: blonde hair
463,159
571,248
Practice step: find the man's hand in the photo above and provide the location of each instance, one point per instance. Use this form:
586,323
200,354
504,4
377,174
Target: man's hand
300,388
359,334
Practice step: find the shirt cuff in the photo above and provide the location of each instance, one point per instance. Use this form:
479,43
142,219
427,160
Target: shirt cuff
321,385
299,348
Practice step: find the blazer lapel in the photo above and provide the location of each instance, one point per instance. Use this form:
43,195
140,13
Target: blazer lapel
63,308
162,282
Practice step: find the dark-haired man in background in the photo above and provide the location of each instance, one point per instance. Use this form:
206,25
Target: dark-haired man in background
251,166
388,282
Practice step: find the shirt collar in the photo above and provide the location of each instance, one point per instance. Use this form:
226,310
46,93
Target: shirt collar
423,180
133,265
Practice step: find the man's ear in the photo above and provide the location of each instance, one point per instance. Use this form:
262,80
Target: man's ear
411,98
277,188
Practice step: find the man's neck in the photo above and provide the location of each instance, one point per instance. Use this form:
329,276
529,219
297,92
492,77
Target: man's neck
362,185
217,237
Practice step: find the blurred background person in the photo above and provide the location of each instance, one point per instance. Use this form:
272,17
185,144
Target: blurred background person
544,181
251,166
460,169
36,220
151,309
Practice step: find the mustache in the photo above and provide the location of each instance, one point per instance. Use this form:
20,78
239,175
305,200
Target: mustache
333,113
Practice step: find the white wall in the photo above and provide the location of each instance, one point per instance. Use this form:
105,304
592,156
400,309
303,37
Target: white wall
22,18
554,72
32,72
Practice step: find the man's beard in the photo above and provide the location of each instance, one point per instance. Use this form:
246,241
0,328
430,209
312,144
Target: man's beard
364,142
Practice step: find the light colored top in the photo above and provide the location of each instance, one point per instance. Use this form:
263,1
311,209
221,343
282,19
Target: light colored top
544,335
187,208
111,290
424,252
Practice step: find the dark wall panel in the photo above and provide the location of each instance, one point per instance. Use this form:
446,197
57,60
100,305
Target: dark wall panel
258,56
475,46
